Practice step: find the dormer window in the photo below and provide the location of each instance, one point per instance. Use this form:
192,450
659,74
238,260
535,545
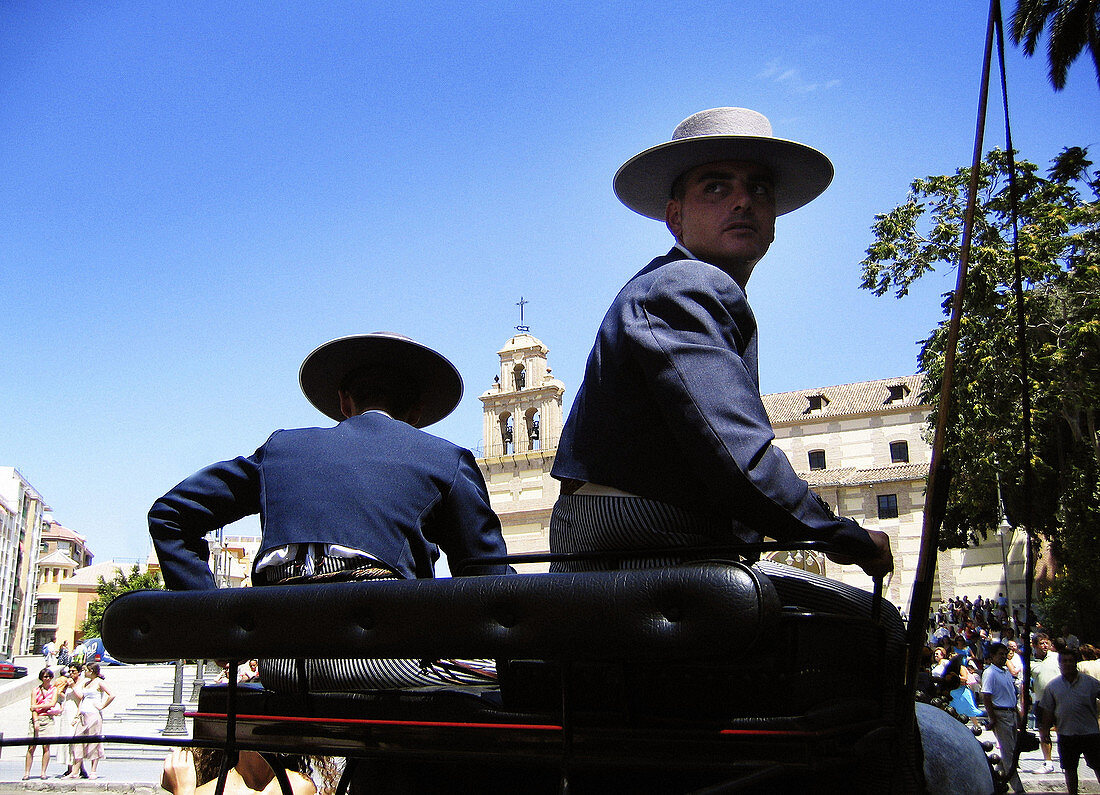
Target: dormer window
817,403
816,459
896,392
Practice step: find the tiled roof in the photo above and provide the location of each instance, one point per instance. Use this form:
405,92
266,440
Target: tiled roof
850,476
844,400
57,558
55,530
827,477
89,575
890,473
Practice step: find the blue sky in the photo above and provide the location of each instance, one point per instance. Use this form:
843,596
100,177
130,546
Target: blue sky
194,195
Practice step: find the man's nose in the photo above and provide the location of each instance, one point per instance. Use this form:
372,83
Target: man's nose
740,198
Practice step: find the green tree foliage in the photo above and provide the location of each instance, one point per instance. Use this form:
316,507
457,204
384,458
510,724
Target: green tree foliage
1059,242
108,590
1074,25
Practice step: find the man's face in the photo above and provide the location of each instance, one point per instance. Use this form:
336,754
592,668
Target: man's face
726,216
1000,657
1046,646
1067,665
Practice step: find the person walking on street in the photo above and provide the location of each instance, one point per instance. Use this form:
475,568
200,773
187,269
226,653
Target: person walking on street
1070,702
1043,670
69,719
999,697
49,651
64,658
94,698
43,728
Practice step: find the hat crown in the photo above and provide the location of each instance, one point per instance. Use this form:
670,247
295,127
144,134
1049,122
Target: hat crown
724,121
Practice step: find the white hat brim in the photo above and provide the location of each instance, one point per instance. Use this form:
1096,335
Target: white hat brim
644,183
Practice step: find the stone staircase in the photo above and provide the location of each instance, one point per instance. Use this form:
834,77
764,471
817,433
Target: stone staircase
145,714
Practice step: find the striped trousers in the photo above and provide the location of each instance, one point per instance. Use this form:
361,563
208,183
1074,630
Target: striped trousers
350,675
594,523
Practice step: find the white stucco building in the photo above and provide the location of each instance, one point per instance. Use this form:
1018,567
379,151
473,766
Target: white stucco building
22,511
861,447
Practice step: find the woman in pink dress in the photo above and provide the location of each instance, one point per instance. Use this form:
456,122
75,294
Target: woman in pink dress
43,726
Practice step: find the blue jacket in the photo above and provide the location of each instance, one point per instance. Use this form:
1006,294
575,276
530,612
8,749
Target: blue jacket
370,483
670,410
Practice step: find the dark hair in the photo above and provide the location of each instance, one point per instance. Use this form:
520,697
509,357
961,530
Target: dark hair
679,187
208,763
390,387
42,674
996,647
1068,652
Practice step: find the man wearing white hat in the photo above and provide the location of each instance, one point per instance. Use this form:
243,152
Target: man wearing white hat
667,443
372,497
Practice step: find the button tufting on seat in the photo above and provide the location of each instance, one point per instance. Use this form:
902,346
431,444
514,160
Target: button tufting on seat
672,613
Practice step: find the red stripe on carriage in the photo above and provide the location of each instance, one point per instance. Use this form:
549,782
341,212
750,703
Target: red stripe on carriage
376,722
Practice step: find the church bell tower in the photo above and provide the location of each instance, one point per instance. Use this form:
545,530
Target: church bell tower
521,422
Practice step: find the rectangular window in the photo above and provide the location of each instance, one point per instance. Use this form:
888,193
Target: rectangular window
46,614
817,459
887,506
899,452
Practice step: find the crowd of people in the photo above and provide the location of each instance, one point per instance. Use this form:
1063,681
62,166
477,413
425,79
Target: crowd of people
68,702
976,670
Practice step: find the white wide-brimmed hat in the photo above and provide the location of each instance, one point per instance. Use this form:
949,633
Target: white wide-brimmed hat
325,369
644,183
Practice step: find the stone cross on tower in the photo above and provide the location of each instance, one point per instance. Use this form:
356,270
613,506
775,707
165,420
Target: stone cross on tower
522,328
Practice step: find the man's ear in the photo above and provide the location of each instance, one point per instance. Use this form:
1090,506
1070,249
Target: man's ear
412,416
673,219
347,405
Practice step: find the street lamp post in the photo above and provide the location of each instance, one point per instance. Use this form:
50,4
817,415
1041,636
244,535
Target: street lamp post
199,680
176,726
1002,530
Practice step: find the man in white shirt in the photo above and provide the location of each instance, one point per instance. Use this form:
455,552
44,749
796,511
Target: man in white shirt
1044,667
999,697
1070,701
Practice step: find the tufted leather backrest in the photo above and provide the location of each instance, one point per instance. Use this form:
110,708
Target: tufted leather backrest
711,609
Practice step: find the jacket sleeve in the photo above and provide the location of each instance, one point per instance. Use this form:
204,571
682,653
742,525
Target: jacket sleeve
179,521
693,326
464,524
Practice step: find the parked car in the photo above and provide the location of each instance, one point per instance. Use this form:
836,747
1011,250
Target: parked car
9,670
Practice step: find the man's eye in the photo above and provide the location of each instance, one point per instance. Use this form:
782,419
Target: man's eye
714,187
762,189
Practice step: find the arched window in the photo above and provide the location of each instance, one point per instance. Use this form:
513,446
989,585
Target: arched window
507,437
519,377
532,417
899,452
